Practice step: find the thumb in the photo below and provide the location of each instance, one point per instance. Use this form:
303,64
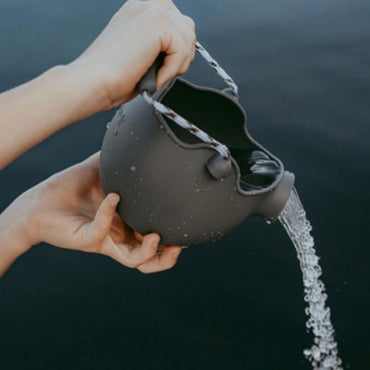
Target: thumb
102,223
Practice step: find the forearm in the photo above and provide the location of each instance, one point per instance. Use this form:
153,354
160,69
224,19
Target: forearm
37,109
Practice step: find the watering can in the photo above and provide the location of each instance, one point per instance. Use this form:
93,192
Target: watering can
184,164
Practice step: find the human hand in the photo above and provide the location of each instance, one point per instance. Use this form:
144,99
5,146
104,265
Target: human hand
130,43
70,210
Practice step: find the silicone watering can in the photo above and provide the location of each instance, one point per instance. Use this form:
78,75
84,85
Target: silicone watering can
184,163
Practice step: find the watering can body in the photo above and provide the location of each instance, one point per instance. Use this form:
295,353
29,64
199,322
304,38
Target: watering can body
176,185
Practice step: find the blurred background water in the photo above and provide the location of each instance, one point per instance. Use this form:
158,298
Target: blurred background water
303,70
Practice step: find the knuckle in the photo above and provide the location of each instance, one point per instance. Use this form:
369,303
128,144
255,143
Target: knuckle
114,17
183,69
144,270
131,264
193,38
135,5
190,22
171,263
134,2
93,248
153,247
157,13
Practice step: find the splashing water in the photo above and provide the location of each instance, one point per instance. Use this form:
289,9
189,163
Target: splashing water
323,354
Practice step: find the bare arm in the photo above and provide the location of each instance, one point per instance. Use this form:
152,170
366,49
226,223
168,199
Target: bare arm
70,210
33,111
103,76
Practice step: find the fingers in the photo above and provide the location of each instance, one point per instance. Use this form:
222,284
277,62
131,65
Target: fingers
172,65
144,256
178,41
102,223
133,253
145,251
160,262
188,60
177,36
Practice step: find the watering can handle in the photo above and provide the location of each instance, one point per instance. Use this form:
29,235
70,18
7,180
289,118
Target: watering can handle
147,86
148,81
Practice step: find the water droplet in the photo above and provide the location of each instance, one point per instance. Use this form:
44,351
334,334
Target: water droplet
115,132
132,168
116,172
108,124
131,133
185,235
137,138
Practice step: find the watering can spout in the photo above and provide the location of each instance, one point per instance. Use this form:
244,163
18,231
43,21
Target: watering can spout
273,203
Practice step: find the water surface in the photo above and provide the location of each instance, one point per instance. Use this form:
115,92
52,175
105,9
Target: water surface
303,72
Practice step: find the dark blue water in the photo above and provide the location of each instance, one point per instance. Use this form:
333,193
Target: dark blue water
303,68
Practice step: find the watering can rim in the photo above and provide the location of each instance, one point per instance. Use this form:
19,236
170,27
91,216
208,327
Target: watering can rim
160,94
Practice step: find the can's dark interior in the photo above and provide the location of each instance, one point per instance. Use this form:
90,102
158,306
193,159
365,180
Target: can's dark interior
222,119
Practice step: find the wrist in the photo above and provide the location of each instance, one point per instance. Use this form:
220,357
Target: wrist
14,239
76,93
90,83
14,227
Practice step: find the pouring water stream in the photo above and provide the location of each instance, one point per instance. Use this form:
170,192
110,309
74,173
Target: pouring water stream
323,354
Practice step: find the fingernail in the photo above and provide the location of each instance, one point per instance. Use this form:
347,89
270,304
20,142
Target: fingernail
185,247
155,241
114,198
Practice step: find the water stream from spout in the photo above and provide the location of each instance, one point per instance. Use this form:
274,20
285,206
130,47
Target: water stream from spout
323,354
